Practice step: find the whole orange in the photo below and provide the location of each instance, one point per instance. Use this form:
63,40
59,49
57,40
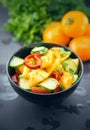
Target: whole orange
81,46
54,33
74,23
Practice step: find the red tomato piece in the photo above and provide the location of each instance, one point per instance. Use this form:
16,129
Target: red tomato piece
15,78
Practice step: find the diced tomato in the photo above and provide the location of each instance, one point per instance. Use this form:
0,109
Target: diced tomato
56,75
40,90
58,89
15,78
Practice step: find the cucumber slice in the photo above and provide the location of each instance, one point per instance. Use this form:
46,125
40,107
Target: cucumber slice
75,78
64,53
41,49
16,61
69,66
23,83
49,84
76,60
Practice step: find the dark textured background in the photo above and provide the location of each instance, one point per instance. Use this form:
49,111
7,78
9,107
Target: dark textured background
19,114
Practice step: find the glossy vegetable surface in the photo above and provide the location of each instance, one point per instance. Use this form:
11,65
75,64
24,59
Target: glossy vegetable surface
56,71
74,23
54,33
36,63
81,46
88,31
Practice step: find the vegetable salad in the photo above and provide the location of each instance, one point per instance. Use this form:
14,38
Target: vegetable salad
45,70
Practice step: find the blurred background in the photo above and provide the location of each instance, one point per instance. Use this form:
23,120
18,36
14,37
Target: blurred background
28,18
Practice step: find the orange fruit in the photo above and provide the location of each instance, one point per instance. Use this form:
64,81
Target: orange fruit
74,23
54,33
88,31
81,46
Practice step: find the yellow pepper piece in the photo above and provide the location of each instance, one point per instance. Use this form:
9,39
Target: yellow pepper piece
47,60
26,71
56,66
66,80
20,68
36,76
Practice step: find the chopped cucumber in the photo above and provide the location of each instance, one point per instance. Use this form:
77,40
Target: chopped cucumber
49,84
23,83
75,77
64,53
21,76
76,60
41,49
62,49
69,66
16,61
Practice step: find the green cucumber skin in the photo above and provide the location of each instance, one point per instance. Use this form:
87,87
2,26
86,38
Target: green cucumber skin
43,50
16,62
69,63
75,78
23,83
49,84
63,53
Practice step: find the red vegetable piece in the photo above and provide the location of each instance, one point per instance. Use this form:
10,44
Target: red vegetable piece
35,56
58,89
15,78
56,75
40,90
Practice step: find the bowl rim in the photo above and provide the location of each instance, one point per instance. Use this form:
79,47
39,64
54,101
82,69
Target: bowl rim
39,44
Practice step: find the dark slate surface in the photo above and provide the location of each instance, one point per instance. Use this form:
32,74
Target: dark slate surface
19,114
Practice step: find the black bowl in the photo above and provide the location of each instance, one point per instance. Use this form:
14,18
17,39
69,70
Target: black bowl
43,98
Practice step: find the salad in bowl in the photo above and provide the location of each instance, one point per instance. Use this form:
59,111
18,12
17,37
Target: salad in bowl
45,70
44,73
